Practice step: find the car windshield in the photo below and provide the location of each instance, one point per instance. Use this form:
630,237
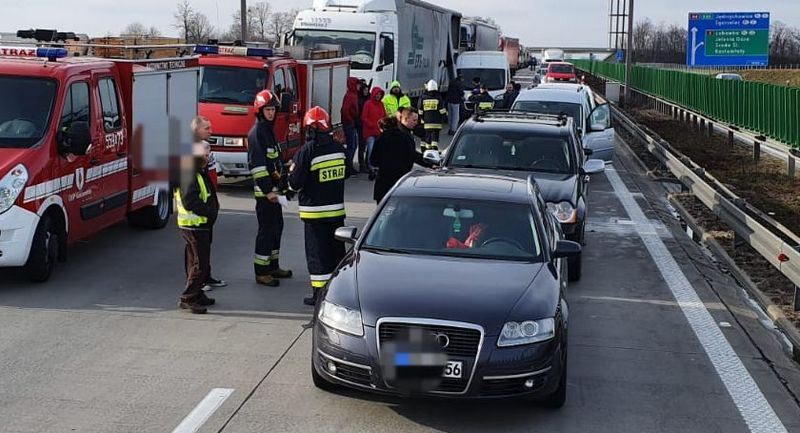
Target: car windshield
451,227
25,108
517,150
359,46
494,79
227,85
549,107
562,69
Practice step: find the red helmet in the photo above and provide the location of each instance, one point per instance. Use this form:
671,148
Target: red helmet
265,98
318,119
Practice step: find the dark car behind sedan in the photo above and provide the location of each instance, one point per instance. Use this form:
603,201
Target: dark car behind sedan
455,289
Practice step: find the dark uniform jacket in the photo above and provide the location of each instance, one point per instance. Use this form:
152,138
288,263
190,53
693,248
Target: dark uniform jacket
394,154
195,201
264,158
318,176
432,109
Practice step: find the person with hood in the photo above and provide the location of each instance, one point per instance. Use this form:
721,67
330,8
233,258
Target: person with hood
317,174
455,97
350,115
433,110
374,112
264,157
395,151
510,96
396,99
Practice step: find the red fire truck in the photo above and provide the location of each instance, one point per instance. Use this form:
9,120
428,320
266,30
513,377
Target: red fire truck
79,138
233,75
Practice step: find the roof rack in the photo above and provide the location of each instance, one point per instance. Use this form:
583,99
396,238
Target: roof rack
123,47
554,119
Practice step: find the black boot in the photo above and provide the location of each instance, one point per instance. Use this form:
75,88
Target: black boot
312,299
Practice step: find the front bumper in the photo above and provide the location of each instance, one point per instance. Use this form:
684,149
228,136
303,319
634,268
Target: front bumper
17,227
498,373
233,164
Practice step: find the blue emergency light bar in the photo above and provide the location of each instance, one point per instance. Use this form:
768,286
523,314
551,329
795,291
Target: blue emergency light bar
47,52
233,51
51,53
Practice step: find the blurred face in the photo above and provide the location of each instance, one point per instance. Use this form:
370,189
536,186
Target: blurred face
395,91
269,113
510,87
379,96
203,132
409,119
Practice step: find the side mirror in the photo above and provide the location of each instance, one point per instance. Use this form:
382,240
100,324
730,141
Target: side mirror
432,157
77,139
600,118
347,235
594,166
379,68
567,249
587,151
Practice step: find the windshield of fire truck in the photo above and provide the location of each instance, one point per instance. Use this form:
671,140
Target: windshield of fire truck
360,47
230,85
25,107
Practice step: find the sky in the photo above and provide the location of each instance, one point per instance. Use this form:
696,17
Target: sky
535,22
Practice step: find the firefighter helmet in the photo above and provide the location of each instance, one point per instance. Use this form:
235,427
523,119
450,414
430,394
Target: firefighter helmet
317,118
432,86
265,98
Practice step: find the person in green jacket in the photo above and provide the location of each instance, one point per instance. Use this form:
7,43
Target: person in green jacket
395,99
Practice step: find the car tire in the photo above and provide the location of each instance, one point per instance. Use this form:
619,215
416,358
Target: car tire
557,399
152,217
320,382
45,250
574,265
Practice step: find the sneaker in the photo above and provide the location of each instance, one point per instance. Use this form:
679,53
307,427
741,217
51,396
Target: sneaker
281,273
206,301
194,308
267,280
213,282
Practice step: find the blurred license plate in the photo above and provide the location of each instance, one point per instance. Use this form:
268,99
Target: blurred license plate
453,370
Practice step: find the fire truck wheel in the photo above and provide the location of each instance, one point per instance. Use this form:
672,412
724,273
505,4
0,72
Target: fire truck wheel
152,217
44,250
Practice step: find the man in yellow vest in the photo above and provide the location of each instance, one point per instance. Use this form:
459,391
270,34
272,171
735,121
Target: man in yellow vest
198,207
395,99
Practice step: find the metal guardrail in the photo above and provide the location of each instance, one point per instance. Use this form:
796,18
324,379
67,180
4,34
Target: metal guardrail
775,243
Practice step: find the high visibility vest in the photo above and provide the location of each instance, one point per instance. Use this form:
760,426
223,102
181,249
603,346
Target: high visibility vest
187,219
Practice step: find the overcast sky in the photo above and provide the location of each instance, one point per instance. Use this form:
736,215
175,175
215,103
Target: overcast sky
536,22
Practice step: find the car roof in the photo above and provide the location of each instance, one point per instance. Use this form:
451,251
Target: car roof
550,93
520,121
465,186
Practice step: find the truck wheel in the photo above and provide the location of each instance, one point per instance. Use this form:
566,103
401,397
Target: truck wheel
44,250
152,217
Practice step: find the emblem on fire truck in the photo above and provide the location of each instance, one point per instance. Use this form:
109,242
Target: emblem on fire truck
79,178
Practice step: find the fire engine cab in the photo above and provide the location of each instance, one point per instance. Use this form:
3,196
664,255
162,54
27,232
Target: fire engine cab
79,140
233,75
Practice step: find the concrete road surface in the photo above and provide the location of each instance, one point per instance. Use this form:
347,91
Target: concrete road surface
660,339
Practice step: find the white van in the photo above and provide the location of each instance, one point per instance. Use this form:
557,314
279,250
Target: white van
490,66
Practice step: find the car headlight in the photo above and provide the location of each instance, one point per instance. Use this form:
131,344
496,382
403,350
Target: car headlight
233,141
11,186
341,318
528,332
564,212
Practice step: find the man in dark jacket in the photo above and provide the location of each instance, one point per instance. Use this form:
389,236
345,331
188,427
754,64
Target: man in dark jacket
350,115
455,97
198,208
318,174
395,152
482,101
510,96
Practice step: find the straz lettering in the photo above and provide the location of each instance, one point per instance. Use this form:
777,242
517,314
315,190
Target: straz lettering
331,173
114,140
18,52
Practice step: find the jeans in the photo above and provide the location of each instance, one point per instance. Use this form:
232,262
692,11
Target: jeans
351,135
454,113
370,145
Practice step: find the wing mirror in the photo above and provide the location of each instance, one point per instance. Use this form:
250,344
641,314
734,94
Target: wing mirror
348,235
594,166
600,118
432,157
76,139
566,249
587,151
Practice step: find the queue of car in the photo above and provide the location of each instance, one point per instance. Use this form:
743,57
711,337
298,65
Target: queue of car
457,285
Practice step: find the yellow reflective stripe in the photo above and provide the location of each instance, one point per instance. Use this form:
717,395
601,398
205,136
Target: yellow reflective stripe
186,218
485,105
260,175
324,214
433,126
327,164
204,195
262,260
318,284
273,155
443,111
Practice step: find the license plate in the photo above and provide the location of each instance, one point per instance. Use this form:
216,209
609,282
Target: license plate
453,370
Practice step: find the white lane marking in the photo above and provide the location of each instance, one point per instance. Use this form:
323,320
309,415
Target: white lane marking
203,411
748,398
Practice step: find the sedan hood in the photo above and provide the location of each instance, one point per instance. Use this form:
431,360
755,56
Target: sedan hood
554,188
466,290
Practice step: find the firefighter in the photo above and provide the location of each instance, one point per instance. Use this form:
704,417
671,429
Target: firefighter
433,111
482,101
266,166
318,174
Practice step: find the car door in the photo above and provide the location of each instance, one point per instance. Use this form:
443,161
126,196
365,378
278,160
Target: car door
282,116
114,147
601,141
293,136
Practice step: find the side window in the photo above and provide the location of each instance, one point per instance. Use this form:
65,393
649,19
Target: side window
291,79
548,225
279,82
76,105
112,121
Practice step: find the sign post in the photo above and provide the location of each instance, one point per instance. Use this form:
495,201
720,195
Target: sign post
728,39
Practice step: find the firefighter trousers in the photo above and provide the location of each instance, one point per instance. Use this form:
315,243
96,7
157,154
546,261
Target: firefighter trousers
431,141
323,251
268,240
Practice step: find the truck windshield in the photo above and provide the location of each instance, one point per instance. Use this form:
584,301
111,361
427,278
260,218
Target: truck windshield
228,85
359,46
25,107
494,79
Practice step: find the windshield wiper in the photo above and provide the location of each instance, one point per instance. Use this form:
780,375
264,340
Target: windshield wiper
385,249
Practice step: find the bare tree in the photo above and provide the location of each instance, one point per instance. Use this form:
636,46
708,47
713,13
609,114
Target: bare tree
259,18
183,18
153,31
200,29
280,23
139,30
